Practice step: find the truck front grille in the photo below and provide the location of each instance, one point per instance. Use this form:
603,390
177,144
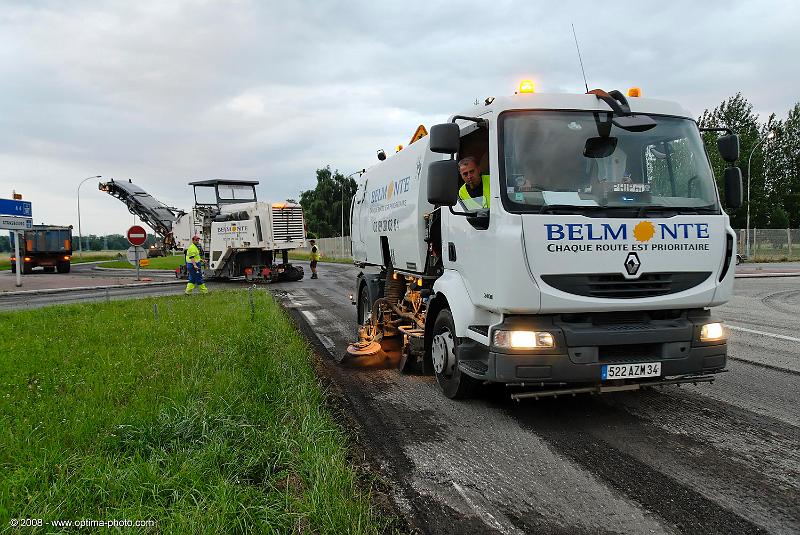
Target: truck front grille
287,224
615,286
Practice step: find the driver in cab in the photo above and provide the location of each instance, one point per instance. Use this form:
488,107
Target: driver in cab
475,191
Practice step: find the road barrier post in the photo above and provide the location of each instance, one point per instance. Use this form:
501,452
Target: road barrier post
18,259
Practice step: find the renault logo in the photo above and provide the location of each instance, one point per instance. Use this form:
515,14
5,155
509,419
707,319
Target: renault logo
632,263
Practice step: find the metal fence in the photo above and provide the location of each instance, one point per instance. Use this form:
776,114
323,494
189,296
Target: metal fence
330,247
770,244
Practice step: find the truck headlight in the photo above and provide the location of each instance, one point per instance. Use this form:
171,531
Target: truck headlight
712,332
523,339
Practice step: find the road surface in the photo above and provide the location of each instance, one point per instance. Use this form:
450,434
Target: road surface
720,458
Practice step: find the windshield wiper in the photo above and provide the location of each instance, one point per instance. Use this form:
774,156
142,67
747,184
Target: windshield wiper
571,208
619,211
683,210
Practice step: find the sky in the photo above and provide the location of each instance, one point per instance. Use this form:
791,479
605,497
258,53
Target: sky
164,93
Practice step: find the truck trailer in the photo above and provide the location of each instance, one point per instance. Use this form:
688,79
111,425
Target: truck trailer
592,266
241,236
45,246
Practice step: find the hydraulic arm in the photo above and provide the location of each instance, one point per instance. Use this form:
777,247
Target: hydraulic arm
160,217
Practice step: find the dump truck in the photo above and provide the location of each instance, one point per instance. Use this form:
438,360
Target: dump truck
592,266
242,237
45,246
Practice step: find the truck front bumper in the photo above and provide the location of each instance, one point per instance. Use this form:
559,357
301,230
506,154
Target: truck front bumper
582,349
507,368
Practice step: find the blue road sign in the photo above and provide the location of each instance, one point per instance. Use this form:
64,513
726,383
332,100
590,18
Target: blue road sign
17,208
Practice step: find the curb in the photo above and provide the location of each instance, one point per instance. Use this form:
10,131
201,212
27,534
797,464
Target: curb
133,270
85,288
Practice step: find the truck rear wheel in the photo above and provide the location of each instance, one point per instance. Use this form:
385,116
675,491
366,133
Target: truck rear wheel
454,383
63,267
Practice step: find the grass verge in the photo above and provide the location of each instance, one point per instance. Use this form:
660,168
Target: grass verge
172,262
95,256
297,255
201,413
159,262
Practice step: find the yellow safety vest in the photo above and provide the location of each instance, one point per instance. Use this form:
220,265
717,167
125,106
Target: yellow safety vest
315,253
192,252
472,203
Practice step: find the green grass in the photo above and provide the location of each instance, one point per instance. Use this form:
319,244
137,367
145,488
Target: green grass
172,262
159,262
94,256
298,255
206,418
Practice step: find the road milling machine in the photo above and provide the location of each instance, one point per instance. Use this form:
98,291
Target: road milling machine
241,236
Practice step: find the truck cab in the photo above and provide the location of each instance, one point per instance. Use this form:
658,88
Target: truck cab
596,260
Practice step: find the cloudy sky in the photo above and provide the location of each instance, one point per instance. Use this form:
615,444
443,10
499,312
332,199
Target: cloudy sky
165,92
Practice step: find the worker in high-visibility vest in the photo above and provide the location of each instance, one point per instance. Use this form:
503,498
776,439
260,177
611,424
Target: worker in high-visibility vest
194,263
315,256
475,191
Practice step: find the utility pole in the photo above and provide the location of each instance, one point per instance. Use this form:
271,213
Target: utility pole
80,234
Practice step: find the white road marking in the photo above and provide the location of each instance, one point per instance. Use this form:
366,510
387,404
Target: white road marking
762,333
485,515
327,342
312,319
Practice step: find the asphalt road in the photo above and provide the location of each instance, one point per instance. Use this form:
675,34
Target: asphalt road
720,458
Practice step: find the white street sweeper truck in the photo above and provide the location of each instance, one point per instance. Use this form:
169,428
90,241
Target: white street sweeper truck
587,261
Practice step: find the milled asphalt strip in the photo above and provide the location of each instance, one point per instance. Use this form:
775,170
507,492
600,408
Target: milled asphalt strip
485,516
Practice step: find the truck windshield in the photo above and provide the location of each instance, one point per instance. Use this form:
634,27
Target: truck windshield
579,161
236,193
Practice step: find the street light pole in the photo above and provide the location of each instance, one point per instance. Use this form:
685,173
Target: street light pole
770,135
80,235
359,173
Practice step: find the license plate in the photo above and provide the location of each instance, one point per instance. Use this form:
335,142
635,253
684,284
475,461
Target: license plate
631,371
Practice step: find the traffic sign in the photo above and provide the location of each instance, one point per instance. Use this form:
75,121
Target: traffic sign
136,254
14,207
15,223
137,235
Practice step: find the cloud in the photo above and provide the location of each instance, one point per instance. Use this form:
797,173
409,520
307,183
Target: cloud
168,92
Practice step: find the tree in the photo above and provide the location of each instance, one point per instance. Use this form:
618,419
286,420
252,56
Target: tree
323,207
785,165
737,114
778,218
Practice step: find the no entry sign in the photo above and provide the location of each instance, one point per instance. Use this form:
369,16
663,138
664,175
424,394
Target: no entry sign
137,235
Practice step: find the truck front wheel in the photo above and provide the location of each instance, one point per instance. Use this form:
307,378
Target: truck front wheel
454,383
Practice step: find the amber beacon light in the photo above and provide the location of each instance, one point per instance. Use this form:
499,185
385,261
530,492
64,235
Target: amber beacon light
526,86
635,92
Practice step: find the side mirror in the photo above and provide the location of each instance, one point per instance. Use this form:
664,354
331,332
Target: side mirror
599,147
443,182
728,147
444,138
733,187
